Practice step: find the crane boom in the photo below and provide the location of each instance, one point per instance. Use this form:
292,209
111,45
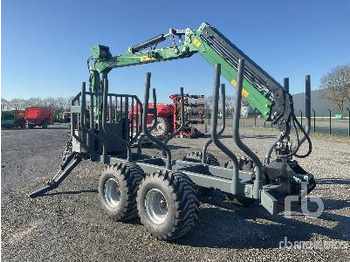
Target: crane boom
262,91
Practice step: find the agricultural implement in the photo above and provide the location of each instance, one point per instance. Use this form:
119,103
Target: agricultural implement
163,191
169,116
194,114
12,119
39,116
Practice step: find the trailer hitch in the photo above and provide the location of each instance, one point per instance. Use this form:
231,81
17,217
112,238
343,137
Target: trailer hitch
67,166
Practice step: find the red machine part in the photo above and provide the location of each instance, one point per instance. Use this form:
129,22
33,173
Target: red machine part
171,114
163,110
39,116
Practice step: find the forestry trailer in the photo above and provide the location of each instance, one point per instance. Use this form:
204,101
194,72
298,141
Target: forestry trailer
162,191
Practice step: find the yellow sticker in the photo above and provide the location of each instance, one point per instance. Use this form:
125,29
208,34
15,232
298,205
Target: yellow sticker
146,58
234,82
245,92
196,42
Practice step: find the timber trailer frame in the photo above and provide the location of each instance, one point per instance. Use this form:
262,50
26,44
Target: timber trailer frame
162,191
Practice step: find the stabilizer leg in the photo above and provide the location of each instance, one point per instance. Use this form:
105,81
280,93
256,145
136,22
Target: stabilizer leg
72,161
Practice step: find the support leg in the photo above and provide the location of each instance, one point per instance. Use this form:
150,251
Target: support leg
72,161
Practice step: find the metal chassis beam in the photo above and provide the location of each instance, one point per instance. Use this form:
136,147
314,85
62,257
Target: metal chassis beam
219,178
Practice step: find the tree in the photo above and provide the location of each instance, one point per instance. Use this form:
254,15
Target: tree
229,104
49,102
34,101
336,86
58,105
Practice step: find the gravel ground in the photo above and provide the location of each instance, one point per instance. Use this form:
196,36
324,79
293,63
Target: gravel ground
69,225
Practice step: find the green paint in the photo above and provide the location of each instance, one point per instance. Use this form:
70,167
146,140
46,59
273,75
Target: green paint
104,62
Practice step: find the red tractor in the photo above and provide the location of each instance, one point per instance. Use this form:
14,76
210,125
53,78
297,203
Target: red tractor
169,116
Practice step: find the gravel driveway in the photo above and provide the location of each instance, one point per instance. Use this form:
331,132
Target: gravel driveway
69,225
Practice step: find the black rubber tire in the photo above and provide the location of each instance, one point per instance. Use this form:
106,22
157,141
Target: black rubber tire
128,177
197,156
244,163
162,128
182,204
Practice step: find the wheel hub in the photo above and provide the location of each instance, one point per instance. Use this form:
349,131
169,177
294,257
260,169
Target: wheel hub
156,206
112,192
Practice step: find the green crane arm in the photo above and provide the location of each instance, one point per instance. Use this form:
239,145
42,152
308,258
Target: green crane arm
260,89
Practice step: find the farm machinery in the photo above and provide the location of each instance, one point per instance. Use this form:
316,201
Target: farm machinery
39,116
13,118
194,114
169,116
162,191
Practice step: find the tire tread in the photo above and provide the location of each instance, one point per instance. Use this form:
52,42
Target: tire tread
197,156
184,194
131,175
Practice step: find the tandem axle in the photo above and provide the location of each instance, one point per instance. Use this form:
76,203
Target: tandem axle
162,191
